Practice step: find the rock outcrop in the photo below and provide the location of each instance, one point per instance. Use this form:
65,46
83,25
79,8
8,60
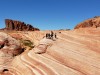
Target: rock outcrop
43,45
93,22
75,52
18,26
9,48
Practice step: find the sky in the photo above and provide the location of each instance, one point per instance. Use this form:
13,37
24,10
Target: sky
49,14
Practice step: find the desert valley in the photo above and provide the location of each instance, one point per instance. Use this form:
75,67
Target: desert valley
25,50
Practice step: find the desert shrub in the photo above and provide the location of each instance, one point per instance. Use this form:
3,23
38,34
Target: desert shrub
27,43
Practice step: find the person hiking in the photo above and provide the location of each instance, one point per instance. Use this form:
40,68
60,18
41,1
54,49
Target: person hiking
49,36
46,35
52,34
55,35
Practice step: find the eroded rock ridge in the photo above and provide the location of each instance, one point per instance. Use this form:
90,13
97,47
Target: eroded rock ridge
18,26
93,22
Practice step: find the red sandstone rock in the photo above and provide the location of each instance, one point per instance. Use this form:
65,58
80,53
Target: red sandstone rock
93,22
9,47
75,52
18,25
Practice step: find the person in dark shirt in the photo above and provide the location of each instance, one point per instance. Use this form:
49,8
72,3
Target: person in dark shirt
49,36
46,35
52,34
55,35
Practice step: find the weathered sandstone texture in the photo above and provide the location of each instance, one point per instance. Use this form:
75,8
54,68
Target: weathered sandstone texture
75,52
18,26
9,48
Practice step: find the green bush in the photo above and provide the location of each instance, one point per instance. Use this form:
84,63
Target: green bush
27,43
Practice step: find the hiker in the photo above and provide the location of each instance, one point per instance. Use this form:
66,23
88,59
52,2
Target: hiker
49,36
55,35
52,34
46,35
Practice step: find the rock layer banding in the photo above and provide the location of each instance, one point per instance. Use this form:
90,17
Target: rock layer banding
9,48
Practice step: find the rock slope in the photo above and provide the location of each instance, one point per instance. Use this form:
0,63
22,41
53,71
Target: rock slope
9,48
75,52
93,22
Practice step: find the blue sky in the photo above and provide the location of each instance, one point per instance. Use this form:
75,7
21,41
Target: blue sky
49,14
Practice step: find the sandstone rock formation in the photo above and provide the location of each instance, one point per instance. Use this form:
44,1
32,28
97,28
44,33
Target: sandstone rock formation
75,52
9,48
43,45
93,22
18,26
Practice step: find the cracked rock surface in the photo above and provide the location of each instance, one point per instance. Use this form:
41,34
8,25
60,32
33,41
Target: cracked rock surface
9,48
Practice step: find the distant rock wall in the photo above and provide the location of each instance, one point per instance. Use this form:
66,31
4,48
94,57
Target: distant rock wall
18,26
93,22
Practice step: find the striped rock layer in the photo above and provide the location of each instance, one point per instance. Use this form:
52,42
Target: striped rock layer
75,52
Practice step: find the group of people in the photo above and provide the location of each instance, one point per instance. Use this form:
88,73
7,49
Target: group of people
51,35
